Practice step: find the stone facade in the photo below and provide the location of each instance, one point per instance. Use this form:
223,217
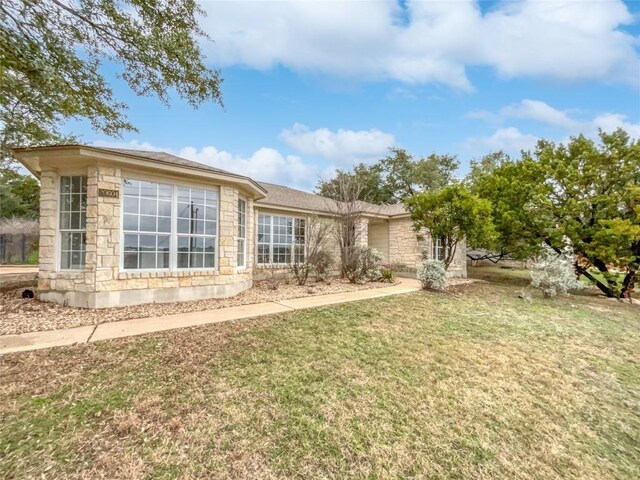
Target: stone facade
102,283
405,249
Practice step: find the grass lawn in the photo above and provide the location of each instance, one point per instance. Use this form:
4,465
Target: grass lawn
474,383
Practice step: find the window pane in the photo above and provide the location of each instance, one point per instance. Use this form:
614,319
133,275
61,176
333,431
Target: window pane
148,260
130,222
196,260
130,205
148,189
65,184
130,260
183,195
147,243
131,187
197,196
76,184
147,224
164,224
163,243
165,191
148,206
211,213
183,210
209,260
65,260
163,260
209,245
164,208
130,243
183,260
210,228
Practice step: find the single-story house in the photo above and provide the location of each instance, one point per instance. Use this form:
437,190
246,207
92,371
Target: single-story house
122,227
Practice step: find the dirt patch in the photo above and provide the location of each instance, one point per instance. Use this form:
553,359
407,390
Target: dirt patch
18,315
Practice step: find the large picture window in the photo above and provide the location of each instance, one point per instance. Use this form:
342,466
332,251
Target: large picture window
197,227
280,239
146,225
149,211
241,260
73,222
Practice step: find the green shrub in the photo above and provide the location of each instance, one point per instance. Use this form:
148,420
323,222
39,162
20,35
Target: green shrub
432,275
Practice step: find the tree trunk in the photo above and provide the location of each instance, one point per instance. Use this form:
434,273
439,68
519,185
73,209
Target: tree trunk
628,284
603,288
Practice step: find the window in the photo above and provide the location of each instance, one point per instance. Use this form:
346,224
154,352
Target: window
279,238
150,235
439,252
73,222
242,233
146,225
197,227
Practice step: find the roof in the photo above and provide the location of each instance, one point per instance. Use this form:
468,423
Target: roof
281,196
158,157
275,195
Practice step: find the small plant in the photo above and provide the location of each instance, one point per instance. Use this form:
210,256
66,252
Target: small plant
387,275
272,279
322,263
363,264
432,275
554,272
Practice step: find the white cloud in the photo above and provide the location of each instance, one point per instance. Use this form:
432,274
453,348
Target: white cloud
541,112
428,42
611,121
265,164
510,140
342,146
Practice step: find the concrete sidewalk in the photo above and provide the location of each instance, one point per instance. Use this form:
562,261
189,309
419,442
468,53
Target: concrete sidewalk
140,326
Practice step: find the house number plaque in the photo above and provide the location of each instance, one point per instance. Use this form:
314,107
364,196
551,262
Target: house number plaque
105,192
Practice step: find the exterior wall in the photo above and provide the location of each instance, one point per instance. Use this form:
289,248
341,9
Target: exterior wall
406,250
102,283
379,238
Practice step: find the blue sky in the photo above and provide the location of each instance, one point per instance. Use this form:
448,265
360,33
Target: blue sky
313,86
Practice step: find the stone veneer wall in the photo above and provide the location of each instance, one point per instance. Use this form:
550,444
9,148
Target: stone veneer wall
102,284
406,249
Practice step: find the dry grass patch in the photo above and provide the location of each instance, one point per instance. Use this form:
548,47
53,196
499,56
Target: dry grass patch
475,384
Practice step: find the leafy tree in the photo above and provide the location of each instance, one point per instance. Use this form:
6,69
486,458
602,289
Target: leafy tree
593,199
515,190
453,214
405,177
396,177
19,194
368,176
586,193
52,52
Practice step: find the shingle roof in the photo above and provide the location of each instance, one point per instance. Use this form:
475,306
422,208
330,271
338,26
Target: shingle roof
282,196
164,157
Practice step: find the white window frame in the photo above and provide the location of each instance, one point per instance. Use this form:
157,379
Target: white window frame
271,243
173,234
436,247
61,231
242,233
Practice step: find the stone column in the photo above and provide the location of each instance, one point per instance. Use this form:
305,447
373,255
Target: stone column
48,227
105,235
227,225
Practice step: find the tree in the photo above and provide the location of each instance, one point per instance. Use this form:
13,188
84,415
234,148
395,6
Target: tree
52,53
514,189
368,176
405,177
584,193
593,199
453,214
346,208
19,194
395,177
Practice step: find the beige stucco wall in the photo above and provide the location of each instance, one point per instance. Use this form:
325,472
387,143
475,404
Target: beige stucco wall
102,283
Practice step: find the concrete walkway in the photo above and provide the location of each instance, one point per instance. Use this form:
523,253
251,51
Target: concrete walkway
140,326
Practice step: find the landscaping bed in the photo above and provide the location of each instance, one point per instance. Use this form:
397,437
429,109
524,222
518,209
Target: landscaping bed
18,315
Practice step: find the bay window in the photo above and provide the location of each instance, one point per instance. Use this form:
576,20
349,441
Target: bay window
280,239
157,218
73,222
